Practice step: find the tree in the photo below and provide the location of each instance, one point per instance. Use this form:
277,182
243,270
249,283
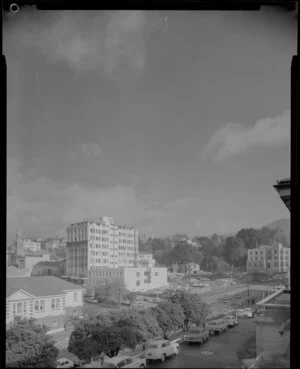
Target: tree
114,291
28,345
169,316
84,348
194,309
235,252
143,324
250,236
108,340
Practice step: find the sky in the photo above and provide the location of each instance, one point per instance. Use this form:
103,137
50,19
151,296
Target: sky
173,121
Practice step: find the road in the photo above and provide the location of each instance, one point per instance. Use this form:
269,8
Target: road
227,350
215,294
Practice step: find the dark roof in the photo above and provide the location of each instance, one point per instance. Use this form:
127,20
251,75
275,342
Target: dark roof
39,286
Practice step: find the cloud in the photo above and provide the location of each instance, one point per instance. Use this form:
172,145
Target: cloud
110,43
233,138
90,149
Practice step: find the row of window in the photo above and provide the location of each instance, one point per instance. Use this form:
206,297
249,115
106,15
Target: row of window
96,238
99,231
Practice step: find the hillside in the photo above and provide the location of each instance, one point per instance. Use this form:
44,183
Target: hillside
283,225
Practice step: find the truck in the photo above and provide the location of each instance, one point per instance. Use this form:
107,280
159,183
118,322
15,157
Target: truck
196,335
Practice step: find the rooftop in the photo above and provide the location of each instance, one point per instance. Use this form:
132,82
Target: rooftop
39,286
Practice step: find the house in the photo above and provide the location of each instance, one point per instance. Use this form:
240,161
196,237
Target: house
50,300
191,268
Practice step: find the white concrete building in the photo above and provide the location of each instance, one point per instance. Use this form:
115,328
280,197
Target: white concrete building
31,261
99,243
134,279
269,257
29,244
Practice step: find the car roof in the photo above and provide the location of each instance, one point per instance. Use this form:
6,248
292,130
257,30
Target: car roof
63,359
117,359
158,341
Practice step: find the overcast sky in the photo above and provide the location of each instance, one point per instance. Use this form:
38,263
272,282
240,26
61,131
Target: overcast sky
177,122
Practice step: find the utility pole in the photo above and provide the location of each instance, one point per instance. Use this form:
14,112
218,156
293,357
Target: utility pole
119,298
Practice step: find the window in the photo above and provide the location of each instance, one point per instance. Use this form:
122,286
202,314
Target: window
121,364
156,273
129,361
138,283
25,307
42,305
54,323
52,304
36,305
19,308
14,308
75,297
57,306
164,345
137,274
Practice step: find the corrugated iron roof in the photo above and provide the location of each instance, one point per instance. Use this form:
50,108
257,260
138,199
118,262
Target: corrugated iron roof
39,286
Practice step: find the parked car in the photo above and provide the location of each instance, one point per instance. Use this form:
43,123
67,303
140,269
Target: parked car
197,335
160,350
125,362
245,313
91,300
231,320
64,363
217,326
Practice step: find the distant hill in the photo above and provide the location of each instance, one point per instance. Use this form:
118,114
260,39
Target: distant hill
283,226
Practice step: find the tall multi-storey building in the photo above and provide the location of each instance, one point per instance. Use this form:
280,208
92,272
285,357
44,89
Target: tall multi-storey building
274,258
97,244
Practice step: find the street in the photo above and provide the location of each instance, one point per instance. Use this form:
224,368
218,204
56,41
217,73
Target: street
224,351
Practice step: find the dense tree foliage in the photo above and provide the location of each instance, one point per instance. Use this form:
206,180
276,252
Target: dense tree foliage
28,345
235,252
169,316
194,309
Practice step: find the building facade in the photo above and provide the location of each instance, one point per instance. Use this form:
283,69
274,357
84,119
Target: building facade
145,259
97,244
50,300
275,258
133,279
29,244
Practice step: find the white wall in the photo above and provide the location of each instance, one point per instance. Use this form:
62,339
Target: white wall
70,298
158,278
31,261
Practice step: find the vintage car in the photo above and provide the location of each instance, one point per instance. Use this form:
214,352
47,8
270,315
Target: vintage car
196,335
160,350
125,362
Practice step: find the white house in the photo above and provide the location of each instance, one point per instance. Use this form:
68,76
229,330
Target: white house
50,300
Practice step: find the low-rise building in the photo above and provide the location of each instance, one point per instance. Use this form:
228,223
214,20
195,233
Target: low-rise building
29,244
191,268
32,260
134,279
50,300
